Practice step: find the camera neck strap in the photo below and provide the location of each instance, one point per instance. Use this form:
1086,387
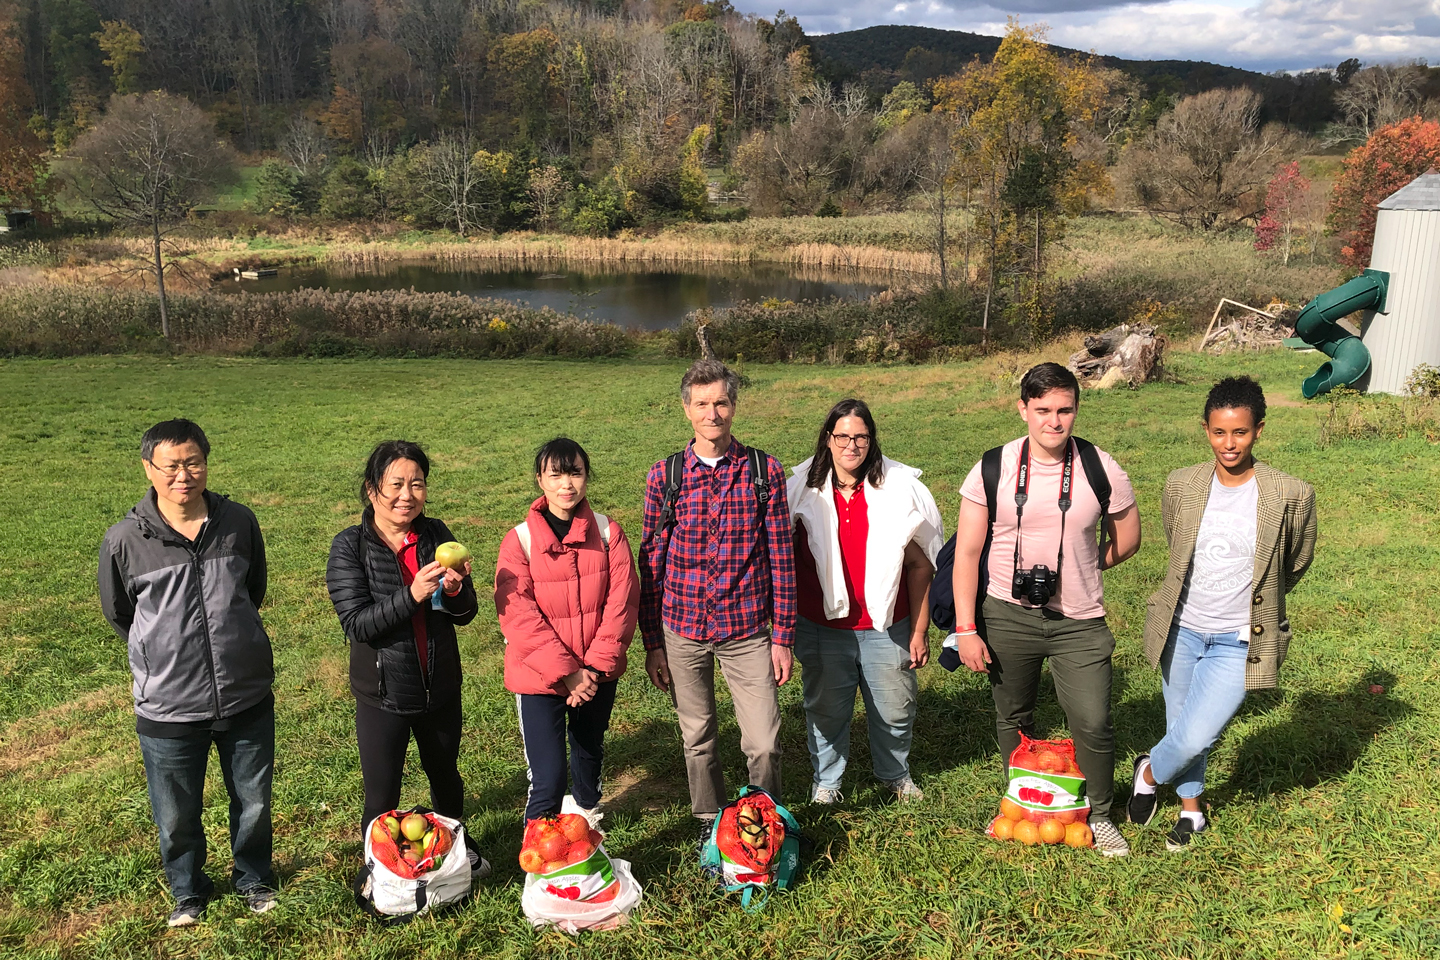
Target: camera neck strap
1022,494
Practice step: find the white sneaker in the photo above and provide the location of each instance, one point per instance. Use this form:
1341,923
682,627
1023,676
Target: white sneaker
825,795
594,814
905,790
1107,837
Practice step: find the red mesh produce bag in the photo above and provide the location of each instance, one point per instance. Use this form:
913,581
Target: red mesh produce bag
1045,800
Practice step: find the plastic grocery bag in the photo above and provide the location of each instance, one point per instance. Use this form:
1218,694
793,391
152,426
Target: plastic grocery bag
408,878
754,847
571,881
1045,800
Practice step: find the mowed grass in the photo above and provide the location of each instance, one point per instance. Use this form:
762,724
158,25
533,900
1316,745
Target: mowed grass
1325,820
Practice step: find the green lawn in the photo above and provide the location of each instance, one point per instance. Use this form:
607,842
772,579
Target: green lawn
1325,823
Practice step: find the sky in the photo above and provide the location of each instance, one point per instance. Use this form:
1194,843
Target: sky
1262,35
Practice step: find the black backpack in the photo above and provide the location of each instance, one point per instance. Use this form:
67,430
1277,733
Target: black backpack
942,590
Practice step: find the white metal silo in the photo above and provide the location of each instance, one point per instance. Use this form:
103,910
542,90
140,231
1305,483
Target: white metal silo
1407,247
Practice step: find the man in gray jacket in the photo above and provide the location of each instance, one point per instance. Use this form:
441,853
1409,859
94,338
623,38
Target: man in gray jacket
182,578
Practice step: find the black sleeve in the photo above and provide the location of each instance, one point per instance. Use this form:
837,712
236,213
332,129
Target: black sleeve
259,578
464,605
363,618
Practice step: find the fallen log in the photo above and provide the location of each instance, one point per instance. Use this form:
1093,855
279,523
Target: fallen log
1128,354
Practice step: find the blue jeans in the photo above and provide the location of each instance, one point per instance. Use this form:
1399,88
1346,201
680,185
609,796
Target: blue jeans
1204,684
175,777
832,664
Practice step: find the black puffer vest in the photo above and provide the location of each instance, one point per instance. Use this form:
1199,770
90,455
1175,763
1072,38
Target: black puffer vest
375,607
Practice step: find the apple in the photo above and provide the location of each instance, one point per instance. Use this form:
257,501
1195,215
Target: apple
595,837
552,865
574,826
378,834
393,825
452,555
531,861
553,846
414,826
579,852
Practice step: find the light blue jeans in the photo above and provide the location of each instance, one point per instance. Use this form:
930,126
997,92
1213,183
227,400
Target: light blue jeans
832,664
1203,677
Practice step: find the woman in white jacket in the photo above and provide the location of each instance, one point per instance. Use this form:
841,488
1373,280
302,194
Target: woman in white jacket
867,532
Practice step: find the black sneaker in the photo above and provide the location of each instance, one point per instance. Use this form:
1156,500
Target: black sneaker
1141,808
1178,838
260,899
187,912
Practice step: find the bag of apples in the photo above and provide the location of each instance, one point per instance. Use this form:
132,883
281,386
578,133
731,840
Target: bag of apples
571,881
754,847
1045,802
414,861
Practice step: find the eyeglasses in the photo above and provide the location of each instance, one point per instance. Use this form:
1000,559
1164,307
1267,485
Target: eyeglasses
192,467
861,440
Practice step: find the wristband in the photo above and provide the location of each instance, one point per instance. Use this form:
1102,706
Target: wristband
962,628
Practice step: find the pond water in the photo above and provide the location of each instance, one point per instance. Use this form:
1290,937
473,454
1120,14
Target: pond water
649,297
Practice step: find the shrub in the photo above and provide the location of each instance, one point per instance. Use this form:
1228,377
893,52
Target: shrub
1392,157
347,194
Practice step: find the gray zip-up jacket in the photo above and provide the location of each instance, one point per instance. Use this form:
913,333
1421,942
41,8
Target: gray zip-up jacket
189,612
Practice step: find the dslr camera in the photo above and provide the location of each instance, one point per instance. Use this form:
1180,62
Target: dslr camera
1036,585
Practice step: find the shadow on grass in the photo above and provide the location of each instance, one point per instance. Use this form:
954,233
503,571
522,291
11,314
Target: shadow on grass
1323,738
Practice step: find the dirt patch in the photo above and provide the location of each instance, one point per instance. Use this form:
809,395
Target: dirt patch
637,790
39,738
68,929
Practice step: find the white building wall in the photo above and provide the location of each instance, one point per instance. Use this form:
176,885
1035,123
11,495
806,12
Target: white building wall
1407,246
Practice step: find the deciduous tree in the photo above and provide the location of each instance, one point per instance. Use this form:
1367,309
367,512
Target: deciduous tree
1392,157
22,162
147,162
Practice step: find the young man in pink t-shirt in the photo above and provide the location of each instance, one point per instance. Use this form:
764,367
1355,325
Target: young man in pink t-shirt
1026,616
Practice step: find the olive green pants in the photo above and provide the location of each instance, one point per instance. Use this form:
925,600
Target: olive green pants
1079,651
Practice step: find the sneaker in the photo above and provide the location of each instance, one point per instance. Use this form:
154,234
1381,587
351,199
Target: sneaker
702,836
1141,808
260,899
187,912
1107,837
1178,838
825,795
905,790
479,866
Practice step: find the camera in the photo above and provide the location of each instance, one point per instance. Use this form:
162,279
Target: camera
1037,585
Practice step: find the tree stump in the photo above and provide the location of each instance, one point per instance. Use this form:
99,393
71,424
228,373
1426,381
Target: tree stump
1128,354
702,334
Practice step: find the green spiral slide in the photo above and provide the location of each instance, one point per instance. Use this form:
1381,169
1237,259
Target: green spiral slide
1349,359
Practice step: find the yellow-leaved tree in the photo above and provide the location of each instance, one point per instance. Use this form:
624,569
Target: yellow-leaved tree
1018,120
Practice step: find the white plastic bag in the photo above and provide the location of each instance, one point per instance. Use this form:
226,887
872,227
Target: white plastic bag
543,907
393,895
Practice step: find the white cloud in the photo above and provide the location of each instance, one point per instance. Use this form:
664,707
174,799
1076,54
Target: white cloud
1257,34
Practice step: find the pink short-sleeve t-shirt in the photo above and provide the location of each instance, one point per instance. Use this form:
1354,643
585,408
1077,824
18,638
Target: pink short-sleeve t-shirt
1081,589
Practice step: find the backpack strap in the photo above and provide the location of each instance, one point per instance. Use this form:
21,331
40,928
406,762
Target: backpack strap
1099,482
760,479
674,474
990,476
522,533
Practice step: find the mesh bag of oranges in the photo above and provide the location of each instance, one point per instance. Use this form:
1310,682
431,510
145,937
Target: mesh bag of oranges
412,863
1045,801
571,882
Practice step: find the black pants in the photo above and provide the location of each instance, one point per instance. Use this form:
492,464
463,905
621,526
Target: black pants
543,722
384,738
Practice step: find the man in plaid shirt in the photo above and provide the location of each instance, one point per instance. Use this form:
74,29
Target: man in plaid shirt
719,584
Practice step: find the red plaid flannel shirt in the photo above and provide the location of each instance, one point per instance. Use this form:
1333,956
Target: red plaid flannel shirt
721,580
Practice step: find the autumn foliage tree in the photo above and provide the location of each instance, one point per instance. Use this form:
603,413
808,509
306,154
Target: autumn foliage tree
1285,203
1392,157
22,162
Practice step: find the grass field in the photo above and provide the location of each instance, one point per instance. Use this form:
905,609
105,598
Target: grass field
1325,822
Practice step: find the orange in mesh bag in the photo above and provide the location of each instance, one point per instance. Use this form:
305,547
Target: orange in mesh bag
1045,800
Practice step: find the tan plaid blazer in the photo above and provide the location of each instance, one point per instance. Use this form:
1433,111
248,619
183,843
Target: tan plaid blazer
1284,546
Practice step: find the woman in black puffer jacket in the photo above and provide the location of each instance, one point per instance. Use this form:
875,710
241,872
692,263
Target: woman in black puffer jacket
404,659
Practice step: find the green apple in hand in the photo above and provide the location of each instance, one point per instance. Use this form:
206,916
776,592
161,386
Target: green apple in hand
452,555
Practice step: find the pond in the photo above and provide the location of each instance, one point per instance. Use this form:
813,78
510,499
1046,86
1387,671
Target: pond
648,297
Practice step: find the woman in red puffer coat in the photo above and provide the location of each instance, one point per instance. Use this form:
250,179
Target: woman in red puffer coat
568,598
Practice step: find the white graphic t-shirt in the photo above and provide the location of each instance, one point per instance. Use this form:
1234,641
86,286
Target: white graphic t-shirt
1216,597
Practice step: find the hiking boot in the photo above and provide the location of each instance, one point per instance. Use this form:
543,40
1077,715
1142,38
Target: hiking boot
1141,808
1178,839
1107,837
187,912
260,899
905,790
825,795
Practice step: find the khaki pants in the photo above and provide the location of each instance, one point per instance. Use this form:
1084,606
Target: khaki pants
751,678
1079,652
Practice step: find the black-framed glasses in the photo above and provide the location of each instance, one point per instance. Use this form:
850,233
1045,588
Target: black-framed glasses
861,440
191,467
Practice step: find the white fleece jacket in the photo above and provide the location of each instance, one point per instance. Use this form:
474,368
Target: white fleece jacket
900,510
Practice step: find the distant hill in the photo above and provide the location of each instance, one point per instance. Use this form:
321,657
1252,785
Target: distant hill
882,56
